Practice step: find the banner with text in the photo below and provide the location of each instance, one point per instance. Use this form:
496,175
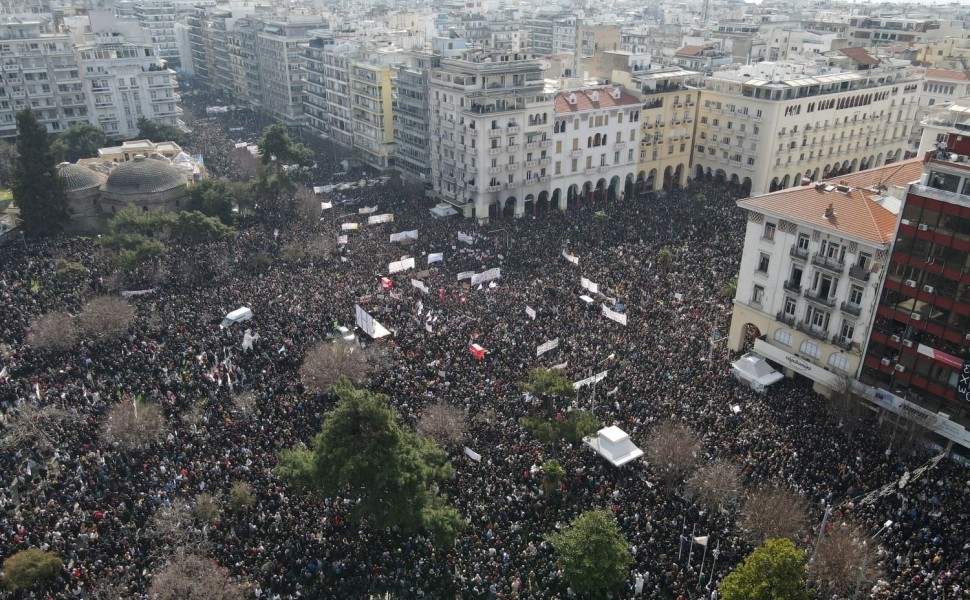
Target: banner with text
349,226
436,257
384,218
404,235
613,315
400,265
550,345
367,210
420,285
486,276
589,285
368,324
466,275
463,237
590,380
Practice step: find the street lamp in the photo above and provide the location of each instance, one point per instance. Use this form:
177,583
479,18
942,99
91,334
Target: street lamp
865,557
506,231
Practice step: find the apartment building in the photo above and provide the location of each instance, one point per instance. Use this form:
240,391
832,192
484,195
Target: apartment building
412,118
328,87
811,270
871,31
244,76
667,119
818,123
371,104
159,18
489,112
281,59
122,77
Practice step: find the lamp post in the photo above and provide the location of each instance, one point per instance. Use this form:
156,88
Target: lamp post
596,381
865,557
505,231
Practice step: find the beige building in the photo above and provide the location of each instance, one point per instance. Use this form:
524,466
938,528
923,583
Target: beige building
371,103
667,127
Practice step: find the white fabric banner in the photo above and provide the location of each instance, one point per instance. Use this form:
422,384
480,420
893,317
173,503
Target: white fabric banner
326,205
367,323
561,365
420,285
589,285
475,456
404,235
612,314
130,293
384,218
367,210
343,239
349,226
590,380
550,345
466,275
570,257
400,265
486,276
462,237
436,257
531,312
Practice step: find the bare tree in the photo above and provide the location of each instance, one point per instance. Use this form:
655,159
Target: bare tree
175,529
673,450
445,424
207,508
192,577
248,165
307,203
327,362
837,565
848,408
28,426
105,318
244,402
53,331
134,424
772,512
110,588
715,485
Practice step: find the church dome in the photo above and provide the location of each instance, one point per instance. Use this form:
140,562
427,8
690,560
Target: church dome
143,176
78,178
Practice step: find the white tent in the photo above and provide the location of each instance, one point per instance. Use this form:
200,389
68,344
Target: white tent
613,444
755,371
443,210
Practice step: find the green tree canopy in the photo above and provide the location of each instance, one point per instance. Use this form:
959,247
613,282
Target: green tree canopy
37,188
593,554
287,160
774,571
31,569
277,148
82,141
363,450
214,197
543,382
159,132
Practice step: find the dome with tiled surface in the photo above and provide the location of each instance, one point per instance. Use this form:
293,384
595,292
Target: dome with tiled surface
79,178
143,176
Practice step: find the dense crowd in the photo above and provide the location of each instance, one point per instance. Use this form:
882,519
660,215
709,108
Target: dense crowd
92,503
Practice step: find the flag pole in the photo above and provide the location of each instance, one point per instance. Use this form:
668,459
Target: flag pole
700,576
716,553
683,529
691,553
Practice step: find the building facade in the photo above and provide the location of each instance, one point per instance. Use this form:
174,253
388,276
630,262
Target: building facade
412,118
669,111
371,108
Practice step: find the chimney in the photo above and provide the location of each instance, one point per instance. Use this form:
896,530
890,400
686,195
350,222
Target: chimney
830,212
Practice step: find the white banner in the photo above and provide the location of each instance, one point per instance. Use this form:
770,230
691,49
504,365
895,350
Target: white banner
400,265
561,365
367,210
420,285
466,275
589,285
590,380
404,235
612,314
486,276
384,218
550,345
130,293
475,456
343,239
326,205
367,323
436,257
531,312
462,237
570,257
349,226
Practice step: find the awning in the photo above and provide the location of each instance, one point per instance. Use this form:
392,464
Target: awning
947,360
756,371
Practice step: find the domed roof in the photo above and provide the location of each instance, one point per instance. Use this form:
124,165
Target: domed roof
78,177
143,176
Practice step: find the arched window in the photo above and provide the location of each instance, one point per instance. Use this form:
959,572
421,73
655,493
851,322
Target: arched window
837,360
783,336
810,348
603,142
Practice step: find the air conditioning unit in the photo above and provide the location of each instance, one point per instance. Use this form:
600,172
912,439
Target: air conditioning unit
922,227
908,343
916,316
885,362
900,368
895,338
911,283
929,289
967,336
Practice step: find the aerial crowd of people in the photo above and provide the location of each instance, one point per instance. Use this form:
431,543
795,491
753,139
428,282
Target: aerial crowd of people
92,502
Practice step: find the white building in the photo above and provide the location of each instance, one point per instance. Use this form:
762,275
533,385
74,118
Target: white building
813,261
771,126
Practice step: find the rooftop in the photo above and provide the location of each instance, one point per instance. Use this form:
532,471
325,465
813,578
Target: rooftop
593,99
860,55
858,200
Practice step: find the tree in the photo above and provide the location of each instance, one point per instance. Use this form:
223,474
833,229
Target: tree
673,450
547,384
214,197
241,496
70,271
192,577
174,528
105,319
573,428
772,512
53,331
835,567
32,427
82,141
715,485
37,188
552,475
288,164
31,570
133,251
847,407
443,423
774,571
133,424
207,508
364,451
594,557
665,256
729,289
159,132
8,161
327,362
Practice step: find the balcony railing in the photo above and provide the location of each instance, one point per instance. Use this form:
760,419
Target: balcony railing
831,264
818,298
797,252
791,286
841,342
852,309
859,273
786,319
817,333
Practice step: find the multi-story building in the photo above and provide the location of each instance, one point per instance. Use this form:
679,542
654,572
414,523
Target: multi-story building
371,104
869,31
122,77
281,58
243,64
669,109
811,269
918,354
159,18
818,124
39,71
316,110
412,118
489,112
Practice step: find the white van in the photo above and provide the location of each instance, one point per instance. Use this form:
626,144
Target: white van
240,315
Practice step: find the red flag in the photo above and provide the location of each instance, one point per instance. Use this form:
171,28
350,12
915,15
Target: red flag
477,351
386,283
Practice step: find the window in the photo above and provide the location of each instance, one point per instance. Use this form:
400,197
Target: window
864,261
757,295
803,241
763,260
769,233
796,276
783,336
818,319
847,332
837,360
810,348
855,295
790,305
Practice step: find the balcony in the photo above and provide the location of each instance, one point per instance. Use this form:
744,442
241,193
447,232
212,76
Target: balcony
494,151
829,264
589,171
819,299
514,147
495,188
513,184
791,286
859,273
494,170
575,154
815,332
531,145
781,317
545,179
852,309
531,163
512,166
842,342
545,143
513,129
545,161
